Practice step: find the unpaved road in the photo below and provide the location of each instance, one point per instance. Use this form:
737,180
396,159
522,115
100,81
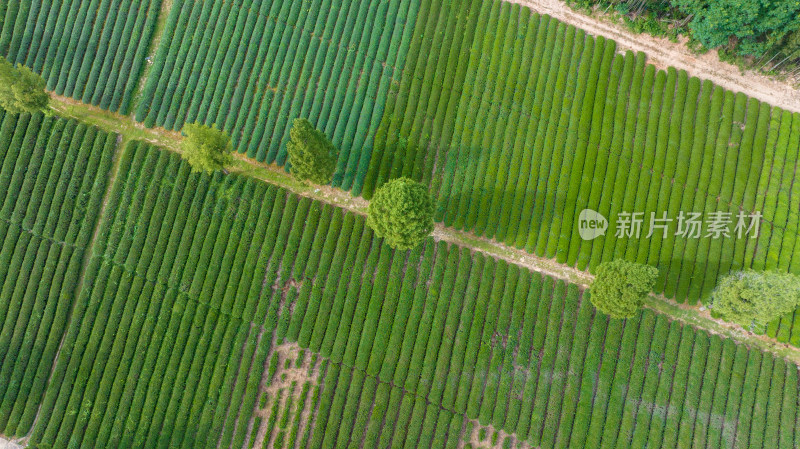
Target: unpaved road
662,53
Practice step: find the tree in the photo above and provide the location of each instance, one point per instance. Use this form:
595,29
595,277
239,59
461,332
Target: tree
753,299
747,27
620,287
206,148
312,156
21,89
401,212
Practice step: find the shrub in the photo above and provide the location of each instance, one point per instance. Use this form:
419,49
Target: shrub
21,90
402,213
311,153
206,148
754,299
621,286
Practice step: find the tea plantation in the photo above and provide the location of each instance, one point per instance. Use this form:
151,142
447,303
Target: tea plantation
143,305
194,281
516,121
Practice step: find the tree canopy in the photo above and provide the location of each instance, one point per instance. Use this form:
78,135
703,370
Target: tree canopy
312,156
402,213
21,89
206,148
753,299
747,27
620,287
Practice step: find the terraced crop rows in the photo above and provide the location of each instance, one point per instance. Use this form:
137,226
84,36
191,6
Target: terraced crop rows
168,340
52,179
251,67
93,51
546,121
495,344
202,277
517,121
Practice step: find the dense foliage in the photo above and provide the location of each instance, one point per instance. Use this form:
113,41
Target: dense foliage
753,298
620,287
498,120
766,31
540,121
170,303
206,148
173,319
21,90
401,213
748,27
311,154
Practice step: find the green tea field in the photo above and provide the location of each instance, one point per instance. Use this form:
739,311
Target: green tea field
145,305
497,109
409,348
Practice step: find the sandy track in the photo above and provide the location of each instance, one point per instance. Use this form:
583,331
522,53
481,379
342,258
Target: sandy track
662,53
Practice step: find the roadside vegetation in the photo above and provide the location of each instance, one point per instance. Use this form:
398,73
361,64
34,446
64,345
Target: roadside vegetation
760,35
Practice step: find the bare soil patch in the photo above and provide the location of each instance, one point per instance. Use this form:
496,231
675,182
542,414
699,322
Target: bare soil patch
475,440
283,379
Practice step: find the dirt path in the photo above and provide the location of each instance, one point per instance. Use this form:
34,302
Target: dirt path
662,53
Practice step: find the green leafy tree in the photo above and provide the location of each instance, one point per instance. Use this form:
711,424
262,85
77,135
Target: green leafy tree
312,156
747,27
21,89
620,287
401,212
753,299
206,148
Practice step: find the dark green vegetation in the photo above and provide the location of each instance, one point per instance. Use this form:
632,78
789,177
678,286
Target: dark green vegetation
21,89
480,113
401,213
620,288
206,148
93,51
767,32
753,299
540,121
311,154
